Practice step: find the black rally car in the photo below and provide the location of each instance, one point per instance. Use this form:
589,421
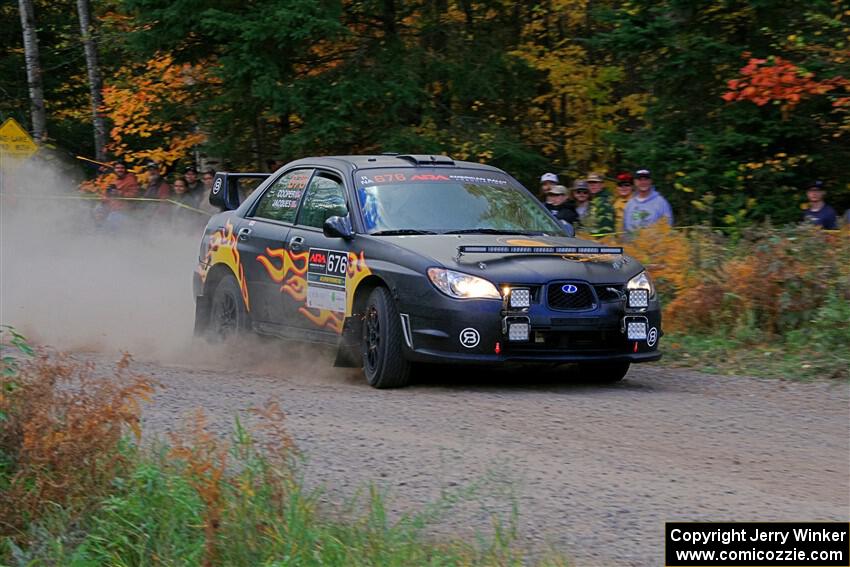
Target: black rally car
401,259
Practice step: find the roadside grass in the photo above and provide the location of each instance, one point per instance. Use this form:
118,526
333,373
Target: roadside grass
722,355
820,349
79,489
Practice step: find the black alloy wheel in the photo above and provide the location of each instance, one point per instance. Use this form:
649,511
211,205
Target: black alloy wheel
382,342
228,316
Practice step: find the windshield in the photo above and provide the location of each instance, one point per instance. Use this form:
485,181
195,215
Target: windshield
423,201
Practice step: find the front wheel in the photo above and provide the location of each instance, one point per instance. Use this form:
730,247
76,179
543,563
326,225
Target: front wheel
603,372
381,343
228,316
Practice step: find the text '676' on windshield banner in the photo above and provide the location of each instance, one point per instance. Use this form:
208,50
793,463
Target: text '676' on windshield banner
757,544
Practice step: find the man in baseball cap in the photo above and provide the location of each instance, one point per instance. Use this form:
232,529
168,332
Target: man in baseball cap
547,180
621,199
581,194
647,207
819,213
600,218
558,203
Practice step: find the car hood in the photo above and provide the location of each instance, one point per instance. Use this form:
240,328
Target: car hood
519,268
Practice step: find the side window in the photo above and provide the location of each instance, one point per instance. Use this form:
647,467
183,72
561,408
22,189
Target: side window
325,198
280,201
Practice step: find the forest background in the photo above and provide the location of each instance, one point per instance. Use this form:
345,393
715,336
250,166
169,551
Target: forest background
734,105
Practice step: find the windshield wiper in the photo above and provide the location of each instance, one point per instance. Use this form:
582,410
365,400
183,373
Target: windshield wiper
491,231
401,231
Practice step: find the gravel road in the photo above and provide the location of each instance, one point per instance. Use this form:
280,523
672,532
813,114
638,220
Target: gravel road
595,471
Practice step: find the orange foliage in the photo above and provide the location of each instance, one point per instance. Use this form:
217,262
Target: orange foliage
667,254
140,100
61,432
205,458
777,79
775,279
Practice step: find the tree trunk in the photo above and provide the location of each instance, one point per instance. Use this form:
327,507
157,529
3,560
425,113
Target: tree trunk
95,85
39,118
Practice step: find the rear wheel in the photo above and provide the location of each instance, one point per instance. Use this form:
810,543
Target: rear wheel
228,316
603,372
381,342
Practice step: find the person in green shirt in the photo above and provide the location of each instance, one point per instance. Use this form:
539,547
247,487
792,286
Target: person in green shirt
600,219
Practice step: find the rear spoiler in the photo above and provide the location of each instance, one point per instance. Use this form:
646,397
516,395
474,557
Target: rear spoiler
225,193
535,250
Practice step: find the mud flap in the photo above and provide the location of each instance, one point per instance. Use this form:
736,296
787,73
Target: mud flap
348,349
202,315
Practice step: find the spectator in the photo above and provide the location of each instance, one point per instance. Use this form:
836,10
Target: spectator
208,177
107,221
557,201
601,217
581,194
847,217
181,191
647,207
123,184
204,204
547,180
157,187
624,193
193,184
819,213
181,217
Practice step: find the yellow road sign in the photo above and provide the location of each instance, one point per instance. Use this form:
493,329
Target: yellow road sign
15,142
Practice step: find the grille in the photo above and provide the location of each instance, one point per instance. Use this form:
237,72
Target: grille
558,299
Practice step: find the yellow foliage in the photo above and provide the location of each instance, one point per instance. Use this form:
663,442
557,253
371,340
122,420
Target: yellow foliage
581,107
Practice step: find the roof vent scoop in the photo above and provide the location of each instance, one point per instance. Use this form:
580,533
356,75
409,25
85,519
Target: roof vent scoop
423,159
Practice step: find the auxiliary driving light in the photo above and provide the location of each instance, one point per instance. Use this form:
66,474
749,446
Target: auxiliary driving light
520,298
638,298
518,329
636,330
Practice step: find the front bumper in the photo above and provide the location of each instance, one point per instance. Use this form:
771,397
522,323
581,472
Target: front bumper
442,329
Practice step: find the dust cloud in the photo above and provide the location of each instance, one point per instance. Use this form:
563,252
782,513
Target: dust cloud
66,284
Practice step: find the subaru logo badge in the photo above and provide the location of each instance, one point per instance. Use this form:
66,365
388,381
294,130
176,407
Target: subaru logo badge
569,288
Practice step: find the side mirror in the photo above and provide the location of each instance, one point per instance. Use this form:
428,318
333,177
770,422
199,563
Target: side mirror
569,229
338,227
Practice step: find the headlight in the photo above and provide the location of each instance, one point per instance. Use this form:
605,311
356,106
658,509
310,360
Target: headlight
640,290
462,286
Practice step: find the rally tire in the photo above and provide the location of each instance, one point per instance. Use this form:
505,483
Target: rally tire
604,372
381,342
228,316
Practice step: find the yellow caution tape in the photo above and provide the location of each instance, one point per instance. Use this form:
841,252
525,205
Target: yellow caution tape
102,198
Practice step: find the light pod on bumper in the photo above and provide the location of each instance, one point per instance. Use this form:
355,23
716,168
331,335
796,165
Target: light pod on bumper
638,298
518,329
636,328
519,298
639,290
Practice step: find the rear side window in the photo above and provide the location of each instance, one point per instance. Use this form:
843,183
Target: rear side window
280,201
325,198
